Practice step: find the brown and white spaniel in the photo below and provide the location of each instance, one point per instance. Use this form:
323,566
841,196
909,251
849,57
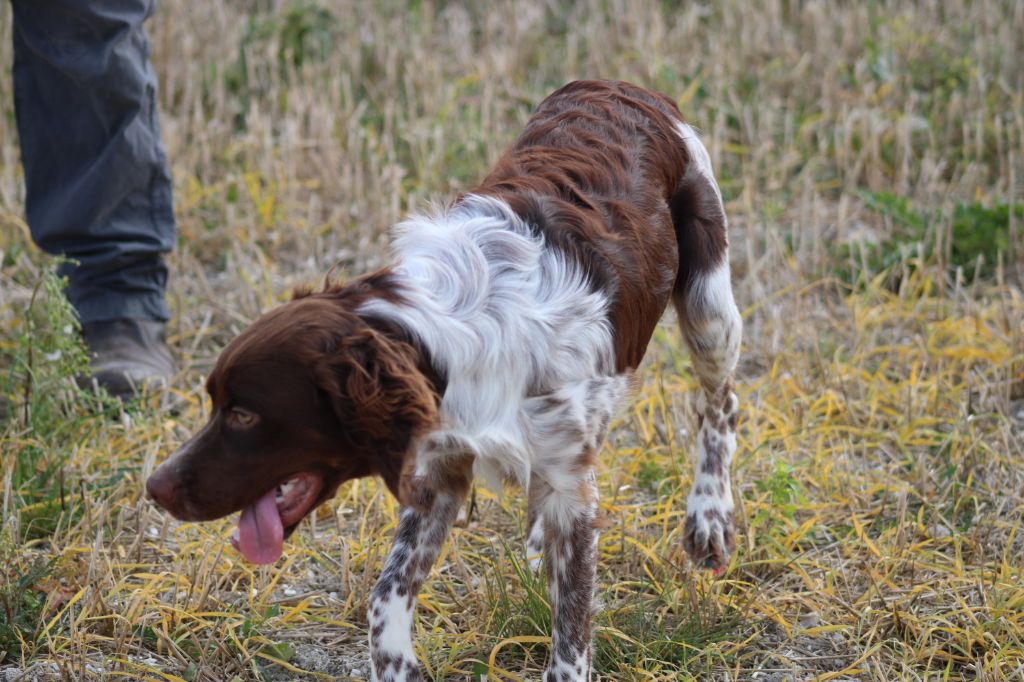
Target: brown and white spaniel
500,343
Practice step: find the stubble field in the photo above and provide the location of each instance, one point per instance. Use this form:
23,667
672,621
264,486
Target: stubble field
871,156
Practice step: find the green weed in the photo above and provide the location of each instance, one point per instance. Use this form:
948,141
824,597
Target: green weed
978,237
21,599
46,406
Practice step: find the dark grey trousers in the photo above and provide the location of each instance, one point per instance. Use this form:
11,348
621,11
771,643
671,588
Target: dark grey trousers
98,188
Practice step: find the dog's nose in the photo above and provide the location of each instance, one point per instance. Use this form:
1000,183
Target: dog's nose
161,488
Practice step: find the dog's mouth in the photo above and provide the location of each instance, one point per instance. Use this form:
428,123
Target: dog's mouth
264,525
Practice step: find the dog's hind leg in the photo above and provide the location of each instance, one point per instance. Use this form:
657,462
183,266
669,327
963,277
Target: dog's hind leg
421,534
712,327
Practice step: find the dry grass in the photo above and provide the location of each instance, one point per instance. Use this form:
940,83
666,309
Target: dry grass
881,464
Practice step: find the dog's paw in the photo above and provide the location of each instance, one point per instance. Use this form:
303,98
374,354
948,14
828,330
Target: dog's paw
396,669
709,535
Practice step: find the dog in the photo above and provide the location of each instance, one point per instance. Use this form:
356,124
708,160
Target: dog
500,344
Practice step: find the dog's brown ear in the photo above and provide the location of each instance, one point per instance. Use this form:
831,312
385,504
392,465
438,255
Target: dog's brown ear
383,401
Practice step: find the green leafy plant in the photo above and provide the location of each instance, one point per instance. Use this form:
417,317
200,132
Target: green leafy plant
783,488
981,231
979,234
21,605
45,404
305,32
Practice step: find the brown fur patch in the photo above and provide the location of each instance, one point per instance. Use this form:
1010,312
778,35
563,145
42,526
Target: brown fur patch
601,171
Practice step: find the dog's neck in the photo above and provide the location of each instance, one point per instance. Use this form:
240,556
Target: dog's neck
424,360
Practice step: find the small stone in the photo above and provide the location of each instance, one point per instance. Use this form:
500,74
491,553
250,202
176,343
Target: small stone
311,658
939,532
810,620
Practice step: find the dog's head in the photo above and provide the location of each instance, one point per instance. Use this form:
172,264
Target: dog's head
303,400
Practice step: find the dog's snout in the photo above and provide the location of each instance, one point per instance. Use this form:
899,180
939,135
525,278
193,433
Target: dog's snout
161,489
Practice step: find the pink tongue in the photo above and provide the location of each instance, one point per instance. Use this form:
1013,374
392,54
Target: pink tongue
260,533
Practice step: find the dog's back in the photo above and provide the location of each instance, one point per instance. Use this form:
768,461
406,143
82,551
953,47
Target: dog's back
604,172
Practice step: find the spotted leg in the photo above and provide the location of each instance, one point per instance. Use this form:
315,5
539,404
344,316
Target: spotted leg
569,538
421,533
569,426
711,326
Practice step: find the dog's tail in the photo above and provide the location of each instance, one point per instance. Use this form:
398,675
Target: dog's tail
698,215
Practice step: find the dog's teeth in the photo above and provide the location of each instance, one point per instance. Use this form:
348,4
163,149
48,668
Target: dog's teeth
285,488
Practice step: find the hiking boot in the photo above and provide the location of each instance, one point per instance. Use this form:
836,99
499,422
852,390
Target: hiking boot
128,356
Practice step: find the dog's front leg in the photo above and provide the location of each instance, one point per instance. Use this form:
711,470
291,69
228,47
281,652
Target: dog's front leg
422,530
570,556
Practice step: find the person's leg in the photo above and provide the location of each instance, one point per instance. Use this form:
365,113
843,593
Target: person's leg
98,188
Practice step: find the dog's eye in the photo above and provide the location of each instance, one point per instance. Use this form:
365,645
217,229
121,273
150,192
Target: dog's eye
240,418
